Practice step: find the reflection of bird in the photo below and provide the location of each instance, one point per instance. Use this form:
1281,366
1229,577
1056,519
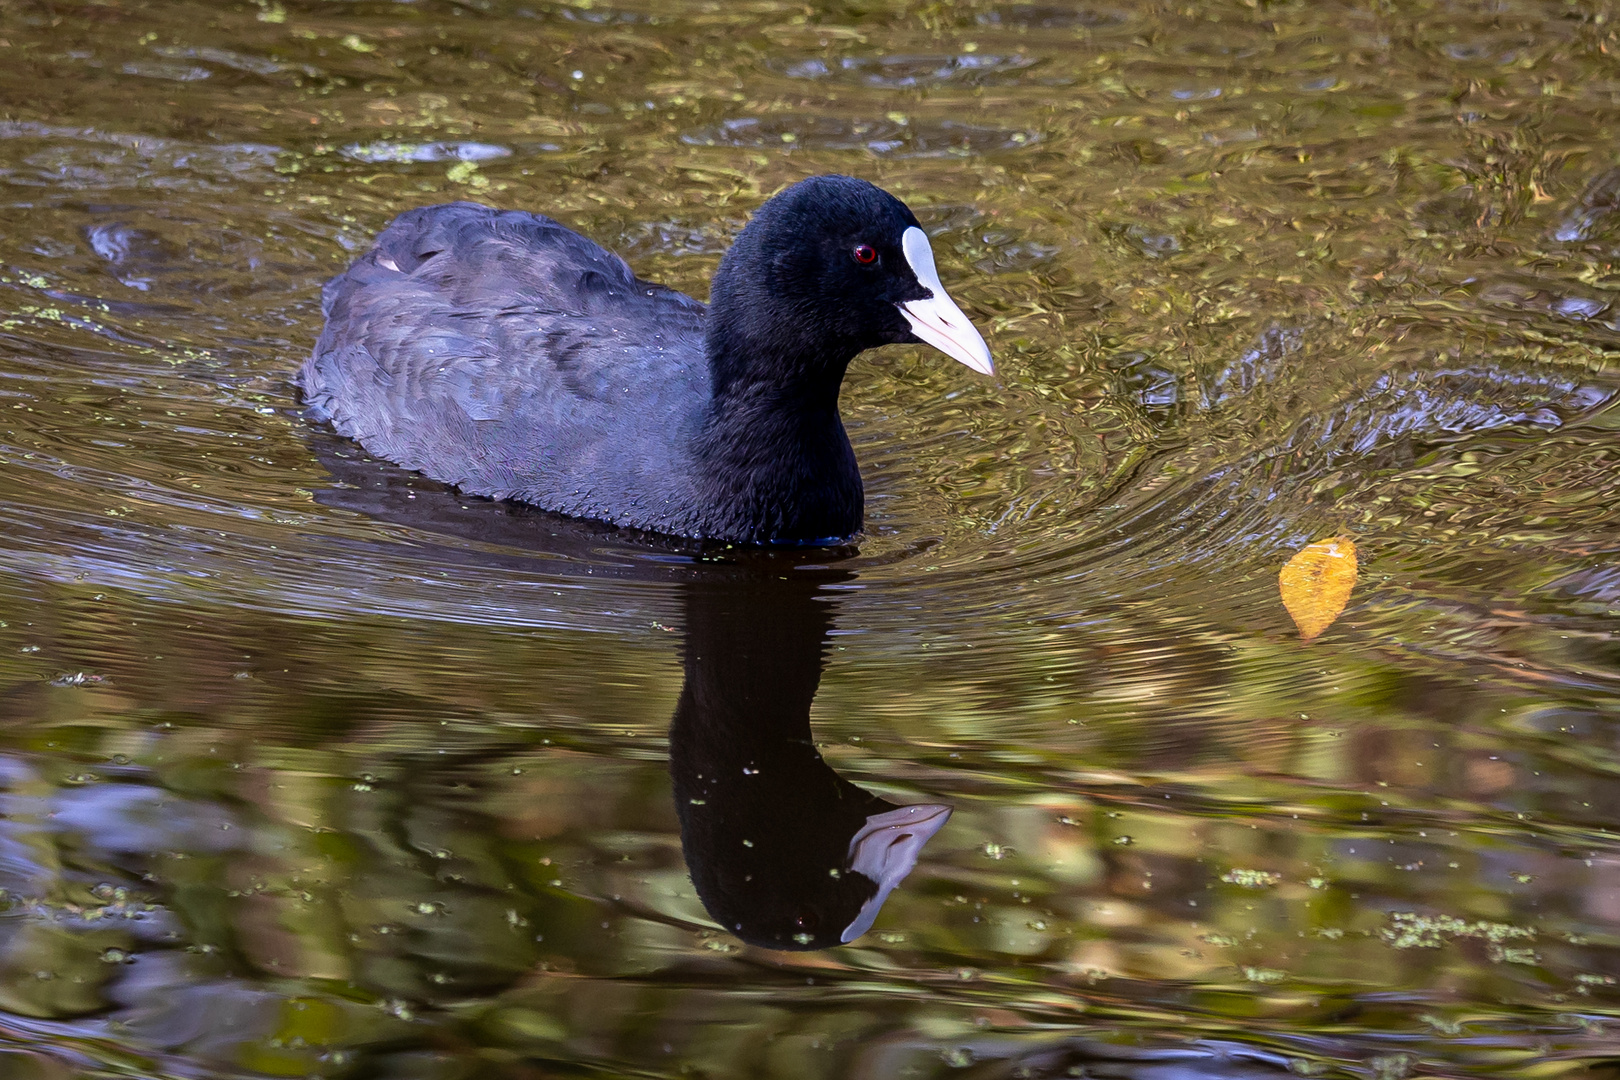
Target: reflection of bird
784,852
765,822
509,356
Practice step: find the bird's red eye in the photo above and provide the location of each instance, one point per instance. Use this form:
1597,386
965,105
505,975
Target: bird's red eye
865,254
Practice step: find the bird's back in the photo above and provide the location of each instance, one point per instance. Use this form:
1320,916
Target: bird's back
512,357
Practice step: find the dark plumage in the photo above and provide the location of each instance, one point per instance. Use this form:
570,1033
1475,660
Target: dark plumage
509,356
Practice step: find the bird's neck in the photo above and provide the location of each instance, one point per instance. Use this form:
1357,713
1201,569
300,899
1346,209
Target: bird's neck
774,451
760,347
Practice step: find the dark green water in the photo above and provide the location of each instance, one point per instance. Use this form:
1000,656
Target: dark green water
310,769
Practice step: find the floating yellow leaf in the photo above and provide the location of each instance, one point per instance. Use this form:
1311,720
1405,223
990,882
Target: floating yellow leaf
1316,583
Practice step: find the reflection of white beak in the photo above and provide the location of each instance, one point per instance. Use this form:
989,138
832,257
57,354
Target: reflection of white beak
937,320
885,850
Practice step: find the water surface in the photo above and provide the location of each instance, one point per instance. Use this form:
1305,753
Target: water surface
311,768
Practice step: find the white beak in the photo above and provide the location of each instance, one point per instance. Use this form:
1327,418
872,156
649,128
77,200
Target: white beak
885,850
937,320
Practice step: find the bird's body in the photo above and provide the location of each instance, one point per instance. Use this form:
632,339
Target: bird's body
467,339
513,358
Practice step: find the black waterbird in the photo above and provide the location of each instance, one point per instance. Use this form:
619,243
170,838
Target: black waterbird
505,354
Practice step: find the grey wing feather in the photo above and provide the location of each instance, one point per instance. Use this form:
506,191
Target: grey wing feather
506,354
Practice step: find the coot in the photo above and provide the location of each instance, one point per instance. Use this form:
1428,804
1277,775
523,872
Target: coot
505,354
